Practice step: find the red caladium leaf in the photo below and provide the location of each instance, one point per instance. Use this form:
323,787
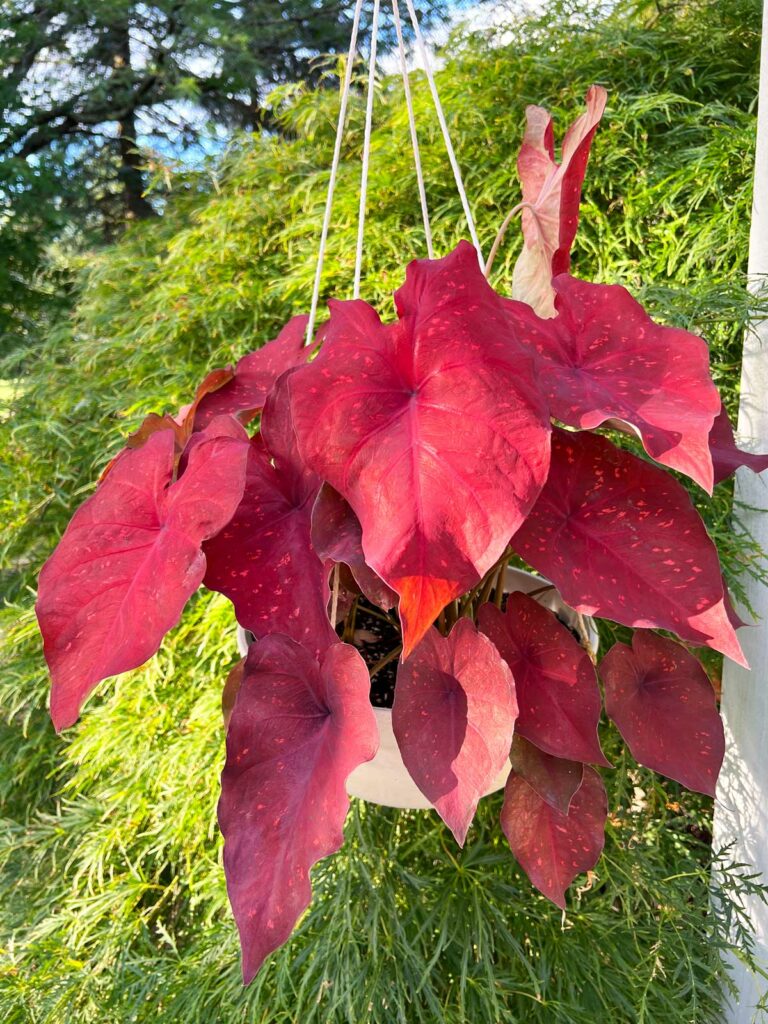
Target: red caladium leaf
429,428
298,729
554,779
552,847
603,358
453,718
555,682
129,561
338,536
263,560
244,395
551,196
726,456
620,538
182,424
664,706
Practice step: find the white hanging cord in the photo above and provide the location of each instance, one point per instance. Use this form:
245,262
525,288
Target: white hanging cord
366,151
444,128
412,126
334,171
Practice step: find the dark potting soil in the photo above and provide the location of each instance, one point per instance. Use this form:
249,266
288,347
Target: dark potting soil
375,637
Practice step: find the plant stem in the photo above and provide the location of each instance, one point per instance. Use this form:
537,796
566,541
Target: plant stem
349,625
498,595
386,660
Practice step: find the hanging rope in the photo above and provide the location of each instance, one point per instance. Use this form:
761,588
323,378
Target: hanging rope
412,127
366,151
364,173
444,128
334,171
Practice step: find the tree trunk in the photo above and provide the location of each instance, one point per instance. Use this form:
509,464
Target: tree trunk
131,174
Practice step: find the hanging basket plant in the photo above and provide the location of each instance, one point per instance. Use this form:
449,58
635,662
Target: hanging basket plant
360,499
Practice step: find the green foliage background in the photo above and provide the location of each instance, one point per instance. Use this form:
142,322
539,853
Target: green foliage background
113,901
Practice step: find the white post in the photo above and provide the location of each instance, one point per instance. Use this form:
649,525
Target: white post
741,810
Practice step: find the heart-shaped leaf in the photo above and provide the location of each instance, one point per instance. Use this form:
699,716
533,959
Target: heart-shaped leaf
129,561
453,718
555,682
298,729
664,706
551,194
429,428
245,393
552,847
264,561
727,457
554,779
621,539
337,536
604,358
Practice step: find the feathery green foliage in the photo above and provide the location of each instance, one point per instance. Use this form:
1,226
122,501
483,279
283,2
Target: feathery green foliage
110,881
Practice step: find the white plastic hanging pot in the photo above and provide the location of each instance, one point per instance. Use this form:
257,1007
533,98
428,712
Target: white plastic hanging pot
385,779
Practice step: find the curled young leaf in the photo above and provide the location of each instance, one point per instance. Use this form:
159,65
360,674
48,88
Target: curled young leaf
129,561
431,428
299,727
551,194
620,538
555,682
664,706
453,718
552,847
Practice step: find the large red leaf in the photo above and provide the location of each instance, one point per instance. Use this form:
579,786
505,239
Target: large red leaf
726,456
621,539
551,194
429,428
555,682
603,357
298,728
338,536
552,847
263,560
554,779
244,395
664,706
453,718
129,560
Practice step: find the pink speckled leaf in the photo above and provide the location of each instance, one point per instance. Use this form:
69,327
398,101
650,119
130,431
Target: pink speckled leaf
554,779
244,395
431,429
263,561
129,561
552,193
337,536
552,847
664,706
621,538
557,691
299,727
603,358
453,718
727,457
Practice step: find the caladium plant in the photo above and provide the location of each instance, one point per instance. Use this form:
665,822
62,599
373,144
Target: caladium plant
386,476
